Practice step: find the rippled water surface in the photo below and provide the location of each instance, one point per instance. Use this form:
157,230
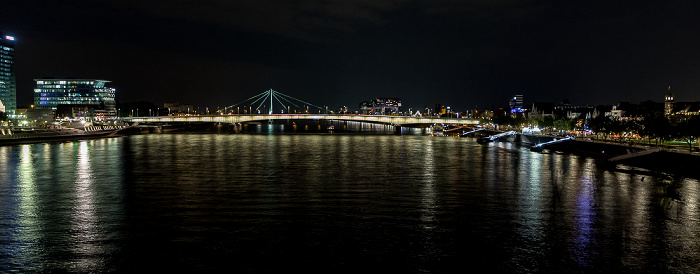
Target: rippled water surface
335,203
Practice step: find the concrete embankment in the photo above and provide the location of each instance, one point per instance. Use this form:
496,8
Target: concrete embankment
654,159
593,149
612,154
42,135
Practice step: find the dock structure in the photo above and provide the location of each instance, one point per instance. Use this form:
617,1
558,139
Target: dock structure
492,138
472,132
541,146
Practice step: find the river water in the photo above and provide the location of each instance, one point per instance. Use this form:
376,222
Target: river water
332,203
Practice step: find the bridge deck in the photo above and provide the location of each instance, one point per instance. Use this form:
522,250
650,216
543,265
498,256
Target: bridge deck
392,120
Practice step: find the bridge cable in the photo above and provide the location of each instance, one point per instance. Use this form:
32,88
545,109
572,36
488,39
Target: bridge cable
280,97
278,100
285,99
251,98
285,95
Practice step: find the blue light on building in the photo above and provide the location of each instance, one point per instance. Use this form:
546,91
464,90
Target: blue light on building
8,88
50,93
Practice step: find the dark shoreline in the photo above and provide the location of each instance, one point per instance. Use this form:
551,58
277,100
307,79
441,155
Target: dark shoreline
659,160
60,138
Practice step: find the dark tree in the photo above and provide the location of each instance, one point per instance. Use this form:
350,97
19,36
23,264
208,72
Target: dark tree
687,130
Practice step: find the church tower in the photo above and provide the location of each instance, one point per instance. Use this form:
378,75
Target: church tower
668,103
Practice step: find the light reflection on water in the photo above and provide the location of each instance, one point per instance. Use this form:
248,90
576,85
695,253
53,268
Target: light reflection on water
335,203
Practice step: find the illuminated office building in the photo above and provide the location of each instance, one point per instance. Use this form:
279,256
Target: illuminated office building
8,89
50,93
517,104
381,106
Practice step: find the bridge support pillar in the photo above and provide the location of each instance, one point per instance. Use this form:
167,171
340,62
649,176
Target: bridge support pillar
397,130
235,127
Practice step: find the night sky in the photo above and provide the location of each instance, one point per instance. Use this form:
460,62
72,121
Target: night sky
212,53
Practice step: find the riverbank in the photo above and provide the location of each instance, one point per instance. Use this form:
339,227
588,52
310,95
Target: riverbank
655,159
42,135
676,160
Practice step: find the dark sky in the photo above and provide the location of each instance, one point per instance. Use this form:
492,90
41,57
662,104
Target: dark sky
458,53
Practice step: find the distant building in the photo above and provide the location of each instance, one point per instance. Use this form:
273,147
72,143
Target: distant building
8,88
602,110
617,113
75,111
40,115
686,108
440,109
177,108
540,110
343,110
668,102
381,106
676,109
517,104
50,93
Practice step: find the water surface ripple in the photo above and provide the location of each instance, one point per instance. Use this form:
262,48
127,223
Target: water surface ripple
335,203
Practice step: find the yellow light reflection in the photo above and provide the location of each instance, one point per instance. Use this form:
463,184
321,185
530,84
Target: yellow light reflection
84,217
428,199
28,219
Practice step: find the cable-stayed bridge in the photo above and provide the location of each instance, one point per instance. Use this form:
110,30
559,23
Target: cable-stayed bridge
261,107
243,118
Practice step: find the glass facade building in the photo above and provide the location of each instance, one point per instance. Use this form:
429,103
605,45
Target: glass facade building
50,93
8,89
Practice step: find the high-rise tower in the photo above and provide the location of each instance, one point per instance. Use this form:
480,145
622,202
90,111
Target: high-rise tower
668,102
8,89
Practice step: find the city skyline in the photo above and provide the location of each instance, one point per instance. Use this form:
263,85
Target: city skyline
468,54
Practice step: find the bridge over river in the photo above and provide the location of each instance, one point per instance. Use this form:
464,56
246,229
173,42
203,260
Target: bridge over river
270,100
403,121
